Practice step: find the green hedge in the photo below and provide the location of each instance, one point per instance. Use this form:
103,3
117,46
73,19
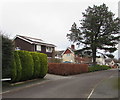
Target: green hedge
98,68
43,63
13,70
18,66
37,65
28,65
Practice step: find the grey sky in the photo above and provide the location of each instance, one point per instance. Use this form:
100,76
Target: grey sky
49,20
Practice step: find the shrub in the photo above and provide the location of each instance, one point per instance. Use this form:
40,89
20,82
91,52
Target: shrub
37,66
98,68
18,66
67,69
7,54
27,65
13,70
43,64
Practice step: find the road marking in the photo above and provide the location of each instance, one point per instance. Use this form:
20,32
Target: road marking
98,84
90,94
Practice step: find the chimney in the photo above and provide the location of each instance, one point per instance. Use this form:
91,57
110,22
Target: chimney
73,46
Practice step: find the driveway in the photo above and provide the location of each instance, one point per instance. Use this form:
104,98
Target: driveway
87,85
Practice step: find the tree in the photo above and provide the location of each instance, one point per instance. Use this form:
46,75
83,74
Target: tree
7,55
98,31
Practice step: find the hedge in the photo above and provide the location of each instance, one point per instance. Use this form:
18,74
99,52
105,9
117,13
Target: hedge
27,65
66,69
37,65
18,66
98,68
13,70
43,63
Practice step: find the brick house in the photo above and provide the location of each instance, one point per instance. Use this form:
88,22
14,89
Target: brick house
33,44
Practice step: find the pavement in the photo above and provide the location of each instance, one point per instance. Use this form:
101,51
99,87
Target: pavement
100,84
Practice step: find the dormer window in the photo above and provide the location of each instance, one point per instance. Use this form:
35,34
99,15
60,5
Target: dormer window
38,47
49,49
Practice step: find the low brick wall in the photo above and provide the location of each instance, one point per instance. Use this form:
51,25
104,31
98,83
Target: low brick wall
67,69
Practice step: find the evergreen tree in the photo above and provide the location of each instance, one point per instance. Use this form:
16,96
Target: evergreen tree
99,31
7,55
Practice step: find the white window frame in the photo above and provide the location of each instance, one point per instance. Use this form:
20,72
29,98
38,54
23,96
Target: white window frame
38,47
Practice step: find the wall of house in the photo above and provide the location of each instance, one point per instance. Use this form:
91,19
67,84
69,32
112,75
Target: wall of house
100,61
43,50
68,57
23,45
112,63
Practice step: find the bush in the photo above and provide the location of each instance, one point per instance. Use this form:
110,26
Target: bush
67,69
98,68
13,70
43,64
7,56
37,66
18,66
27,65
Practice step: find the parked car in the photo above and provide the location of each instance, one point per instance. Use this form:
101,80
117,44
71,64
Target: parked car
67,62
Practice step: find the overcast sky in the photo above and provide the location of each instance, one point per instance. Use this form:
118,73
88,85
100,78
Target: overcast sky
49,20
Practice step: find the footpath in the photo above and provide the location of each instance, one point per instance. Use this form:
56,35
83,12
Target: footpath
26,84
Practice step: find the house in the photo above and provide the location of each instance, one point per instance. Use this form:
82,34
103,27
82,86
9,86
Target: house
58,54
70,55
111,62
33,44
100,60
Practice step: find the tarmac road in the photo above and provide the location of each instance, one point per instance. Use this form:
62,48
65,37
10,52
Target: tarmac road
100,84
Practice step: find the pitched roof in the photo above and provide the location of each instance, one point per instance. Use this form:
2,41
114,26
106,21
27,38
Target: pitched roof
34,40
109,60
72,51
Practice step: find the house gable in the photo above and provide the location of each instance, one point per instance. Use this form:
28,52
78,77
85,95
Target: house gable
67,51
23,45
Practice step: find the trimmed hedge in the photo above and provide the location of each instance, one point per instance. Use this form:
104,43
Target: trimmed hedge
13,70
18,66
27,65
67,69
98,68
37,65
43,63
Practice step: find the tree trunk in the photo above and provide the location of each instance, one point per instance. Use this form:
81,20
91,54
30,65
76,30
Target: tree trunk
94,55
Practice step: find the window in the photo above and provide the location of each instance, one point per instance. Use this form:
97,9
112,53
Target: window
68,54
17,48
38,47
49,49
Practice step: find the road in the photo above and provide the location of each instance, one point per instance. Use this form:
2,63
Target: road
87,85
